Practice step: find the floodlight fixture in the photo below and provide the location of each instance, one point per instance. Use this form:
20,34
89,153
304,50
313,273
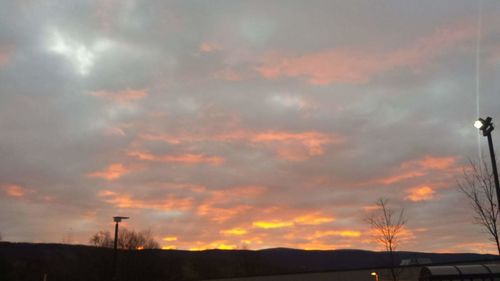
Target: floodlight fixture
479,123
119,219
485,125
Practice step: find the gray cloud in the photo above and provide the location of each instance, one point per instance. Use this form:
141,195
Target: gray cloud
162,111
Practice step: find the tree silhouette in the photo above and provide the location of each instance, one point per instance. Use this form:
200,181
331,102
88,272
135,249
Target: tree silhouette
127,239
478,185
387,226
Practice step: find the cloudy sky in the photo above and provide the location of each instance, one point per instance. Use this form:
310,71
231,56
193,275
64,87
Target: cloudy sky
244,124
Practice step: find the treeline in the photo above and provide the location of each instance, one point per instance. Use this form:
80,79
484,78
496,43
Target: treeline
59,262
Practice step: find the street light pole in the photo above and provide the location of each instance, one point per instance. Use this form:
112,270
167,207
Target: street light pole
486,126
115,246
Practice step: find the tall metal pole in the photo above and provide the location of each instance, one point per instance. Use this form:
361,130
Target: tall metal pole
486,126
494,167
115,246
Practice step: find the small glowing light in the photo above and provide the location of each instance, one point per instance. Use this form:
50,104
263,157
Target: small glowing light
374,273
478,124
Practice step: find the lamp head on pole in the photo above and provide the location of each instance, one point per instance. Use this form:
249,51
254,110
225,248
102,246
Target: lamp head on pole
119,219
479,123
485,125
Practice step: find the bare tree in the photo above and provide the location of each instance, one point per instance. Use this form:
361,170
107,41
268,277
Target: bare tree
387,226
102,239
127,239
478,185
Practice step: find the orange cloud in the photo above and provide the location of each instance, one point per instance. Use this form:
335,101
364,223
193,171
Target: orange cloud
189,159
419,168
401,177
221,214
431,162
13,190
223,205
272,224
359,66
420,193
124,96
234,231
112,172
406,235
307,219
341,233
370,208
315,245
470,247
170,203
169,238
313,219
221,245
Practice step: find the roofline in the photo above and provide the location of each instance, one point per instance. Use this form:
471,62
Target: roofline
497,259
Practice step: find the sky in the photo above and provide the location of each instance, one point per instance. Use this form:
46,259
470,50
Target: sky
244,124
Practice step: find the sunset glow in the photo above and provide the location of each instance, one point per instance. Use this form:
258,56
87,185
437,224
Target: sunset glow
244,124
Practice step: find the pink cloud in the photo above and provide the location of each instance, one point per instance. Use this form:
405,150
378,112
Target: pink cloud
15,191
5,53
189,159
112,172
4,58
208,47
312,142
421,167
287,145
359,65
124,96
401,177
431,162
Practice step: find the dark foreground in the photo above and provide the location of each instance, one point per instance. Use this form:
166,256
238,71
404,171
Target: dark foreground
24,261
